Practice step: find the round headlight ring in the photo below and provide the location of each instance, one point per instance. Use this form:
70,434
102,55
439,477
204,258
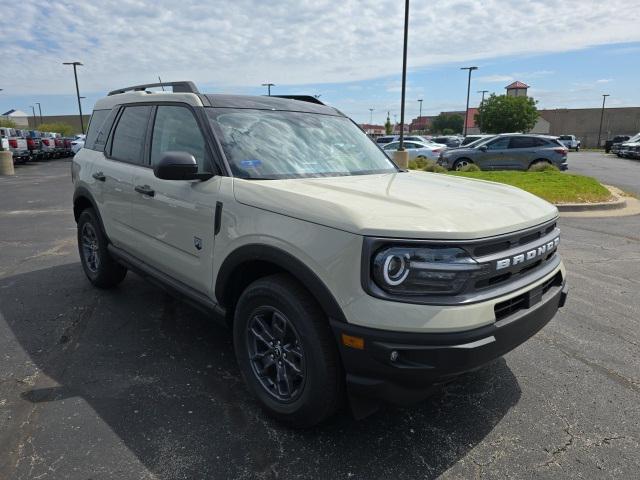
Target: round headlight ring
402,266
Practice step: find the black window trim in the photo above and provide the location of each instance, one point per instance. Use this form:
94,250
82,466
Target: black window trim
209,159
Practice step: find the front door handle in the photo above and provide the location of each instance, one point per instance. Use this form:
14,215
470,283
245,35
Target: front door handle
145,190
99,176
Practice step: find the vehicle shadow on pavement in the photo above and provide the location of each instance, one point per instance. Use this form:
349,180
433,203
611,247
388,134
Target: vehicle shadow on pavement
163,378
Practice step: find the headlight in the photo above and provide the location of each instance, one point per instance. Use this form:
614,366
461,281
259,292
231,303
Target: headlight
423,270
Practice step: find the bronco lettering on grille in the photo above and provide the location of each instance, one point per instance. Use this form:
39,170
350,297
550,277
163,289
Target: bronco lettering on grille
528,255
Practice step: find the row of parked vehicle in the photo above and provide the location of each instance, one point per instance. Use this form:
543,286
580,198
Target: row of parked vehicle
33,145
513,151
624,146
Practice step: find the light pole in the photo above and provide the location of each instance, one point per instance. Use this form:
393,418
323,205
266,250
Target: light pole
269,85
1,147
604,98
371,116
481,106
404,78
75,75
466,112
420,114
39,110
35,120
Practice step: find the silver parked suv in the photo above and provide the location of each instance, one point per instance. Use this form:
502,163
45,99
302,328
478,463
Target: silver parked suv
341,276
512,151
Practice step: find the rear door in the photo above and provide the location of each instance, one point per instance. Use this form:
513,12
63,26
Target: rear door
113,172
175,223
522,151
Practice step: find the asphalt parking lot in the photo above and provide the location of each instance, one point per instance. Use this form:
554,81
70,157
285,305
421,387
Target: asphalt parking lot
133,384
609,169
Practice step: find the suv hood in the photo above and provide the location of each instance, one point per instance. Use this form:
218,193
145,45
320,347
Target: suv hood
407,204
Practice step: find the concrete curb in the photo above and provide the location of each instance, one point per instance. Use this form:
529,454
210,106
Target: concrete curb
618,203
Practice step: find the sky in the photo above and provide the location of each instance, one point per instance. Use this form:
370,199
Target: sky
349,52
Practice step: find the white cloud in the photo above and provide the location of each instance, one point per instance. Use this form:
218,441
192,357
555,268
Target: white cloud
228,45
604,80
495,79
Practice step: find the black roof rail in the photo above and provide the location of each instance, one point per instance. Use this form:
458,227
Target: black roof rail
178,87
301,98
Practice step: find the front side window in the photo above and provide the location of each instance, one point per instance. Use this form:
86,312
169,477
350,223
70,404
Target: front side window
499,144
391,146
129,136
266,144
176,130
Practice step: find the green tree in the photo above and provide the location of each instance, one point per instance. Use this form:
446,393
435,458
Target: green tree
59,127
7,123
388,128
448,121
506,114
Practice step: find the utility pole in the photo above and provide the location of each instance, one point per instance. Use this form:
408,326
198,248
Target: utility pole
482,105
269,85
75,75
466,112
371,116
604,99
40,110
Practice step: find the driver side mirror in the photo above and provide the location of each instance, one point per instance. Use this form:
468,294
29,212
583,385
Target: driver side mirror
483,148
178,166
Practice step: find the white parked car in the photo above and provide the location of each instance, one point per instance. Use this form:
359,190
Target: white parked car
428,151
570,141
77,143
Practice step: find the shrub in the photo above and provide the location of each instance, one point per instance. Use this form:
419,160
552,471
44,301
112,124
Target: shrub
419,163
472,167
64,129
543,167
7,123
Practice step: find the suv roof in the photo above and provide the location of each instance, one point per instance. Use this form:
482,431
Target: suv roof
186,92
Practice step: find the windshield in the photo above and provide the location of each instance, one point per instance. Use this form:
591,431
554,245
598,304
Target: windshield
478,142
265,144
564,137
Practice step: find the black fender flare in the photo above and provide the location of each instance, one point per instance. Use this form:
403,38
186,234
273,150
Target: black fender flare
285,261
84,193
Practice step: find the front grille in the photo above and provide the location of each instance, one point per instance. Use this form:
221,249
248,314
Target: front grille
527,299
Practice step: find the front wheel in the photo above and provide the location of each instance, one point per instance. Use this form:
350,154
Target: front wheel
99,267
461,163
286,352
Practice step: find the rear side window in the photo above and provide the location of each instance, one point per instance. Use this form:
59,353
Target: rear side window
97,119
176,130
522,142
129,136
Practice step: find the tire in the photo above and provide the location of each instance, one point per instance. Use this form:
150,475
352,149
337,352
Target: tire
99,267
578,148
460,163
275,317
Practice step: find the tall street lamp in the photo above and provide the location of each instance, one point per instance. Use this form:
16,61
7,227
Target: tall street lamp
482,105
404,156
35,120
466,112
39,110
75,75
1,147
371,116
269,85
420,114
604,98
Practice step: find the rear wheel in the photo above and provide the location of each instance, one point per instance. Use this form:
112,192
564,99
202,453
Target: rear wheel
286,352
461,163
99,267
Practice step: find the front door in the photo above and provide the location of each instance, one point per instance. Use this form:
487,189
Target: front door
495,155
175,218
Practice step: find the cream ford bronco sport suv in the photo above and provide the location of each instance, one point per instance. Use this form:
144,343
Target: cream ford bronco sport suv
342,276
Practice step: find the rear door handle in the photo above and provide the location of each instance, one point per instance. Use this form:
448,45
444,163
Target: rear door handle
145,190
99,176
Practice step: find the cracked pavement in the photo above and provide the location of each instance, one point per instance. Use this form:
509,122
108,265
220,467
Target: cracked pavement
134,384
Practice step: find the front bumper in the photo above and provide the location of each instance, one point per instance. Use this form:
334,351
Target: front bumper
404,367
